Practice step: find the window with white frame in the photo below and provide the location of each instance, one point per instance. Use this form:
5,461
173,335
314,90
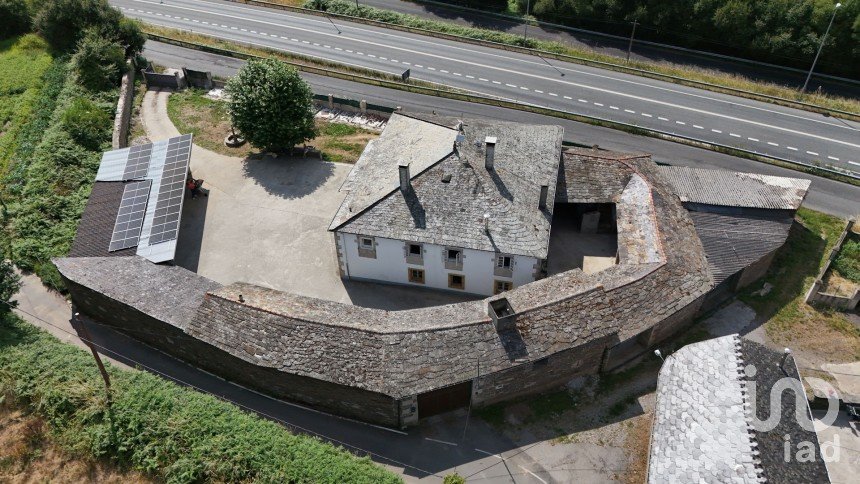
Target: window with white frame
502,286
504,262
455,256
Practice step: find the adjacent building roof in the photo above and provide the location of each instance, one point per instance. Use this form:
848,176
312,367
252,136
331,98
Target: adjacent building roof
93,236
734,189
734,241
704,429
451,190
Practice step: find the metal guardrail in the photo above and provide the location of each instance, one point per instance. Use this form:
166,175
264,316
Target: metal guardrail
503,103
569,58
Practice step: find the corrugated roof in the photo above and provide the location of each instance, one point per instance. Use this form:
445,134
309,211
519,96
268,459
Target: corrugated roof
734,189
733,242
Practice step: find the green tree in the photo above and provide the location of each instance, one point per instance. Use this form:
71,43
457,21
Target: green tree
64,22
16,18
98,61
271,105
10,283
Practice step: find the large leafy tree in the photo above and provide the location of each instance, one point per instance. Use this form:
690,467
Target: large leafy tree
271,105
15,15
65,22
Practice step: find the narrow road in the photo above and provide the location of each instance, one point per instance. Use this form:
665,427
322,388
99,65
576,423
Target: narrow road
754,126
825,195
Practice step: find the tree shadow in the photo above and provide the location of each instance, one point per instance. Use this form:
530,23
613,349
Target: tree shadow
288,177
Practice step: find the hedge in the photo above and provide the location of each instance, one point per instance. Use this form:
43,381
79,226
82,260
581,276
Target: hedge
158,427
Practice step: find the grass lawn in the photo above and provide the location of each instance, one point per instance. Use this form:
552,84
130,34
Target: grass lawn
192,112
23,61
819,332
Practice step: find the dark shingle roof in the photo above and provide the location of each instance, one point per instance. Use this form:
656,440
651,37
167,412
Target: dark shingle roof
97,222
451,212
734,241
771,443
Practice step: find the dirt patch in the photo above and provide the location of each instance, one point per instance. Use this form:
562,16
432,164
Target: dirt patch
27,455
838,285
191,111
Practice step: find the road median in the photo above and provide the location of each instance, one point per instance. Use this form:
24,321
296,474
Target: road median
175,38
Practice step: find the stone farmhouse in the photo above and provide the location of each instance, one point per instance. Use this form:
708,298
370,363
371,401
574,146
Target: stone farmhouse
454,206
683,241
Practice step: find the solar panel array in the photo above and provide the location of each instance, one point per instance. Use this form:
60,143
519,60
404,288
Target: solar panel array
129,219
168,206
154,171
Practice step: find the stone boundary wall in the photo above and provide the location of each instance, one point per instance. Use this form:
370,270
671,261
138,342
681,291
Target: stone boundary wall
123,109
814,295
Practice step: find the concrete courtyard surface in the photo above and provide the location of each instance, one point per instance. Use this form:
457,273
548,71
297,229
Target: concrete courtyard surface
838,441
265,221
568,246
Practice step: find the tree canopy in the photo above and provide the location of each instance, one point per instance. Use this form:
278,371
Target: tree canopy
271,105
63,23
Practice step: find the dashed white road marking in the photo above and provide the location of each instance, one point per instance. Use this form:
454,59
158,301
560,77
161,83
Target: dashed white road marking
539,92
496,82
457,74
598,104
613,107
833,158
661,118
680,122
552,94
646,115
440,441
431,68
482,79
443,71
735,135
630,111
717,131
524,88
510,85
812,153
854,163
469,77
792,148
582,100
772,143
697,126
567,97
752,139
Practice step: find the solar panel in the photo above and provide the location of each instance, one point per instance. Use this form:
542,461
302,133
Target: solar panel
137,163
129,218
168,206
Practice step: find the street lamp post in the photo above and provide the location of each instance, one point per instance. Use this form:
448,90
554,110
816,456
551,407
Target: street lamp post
823,39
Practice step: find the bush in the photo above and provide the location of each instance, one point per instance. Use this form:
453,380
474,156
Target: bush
454,479
86,123
64,22
847,263
156,426
98,62
16,18
10,283
271,105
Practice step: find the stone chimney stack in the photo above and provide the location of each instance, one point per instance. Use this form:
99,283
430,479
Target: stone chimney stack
544,193
490,151
405,182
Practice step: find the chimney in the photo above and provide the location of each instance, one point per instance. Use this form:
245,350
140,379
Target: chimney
490,141
544,192
404,176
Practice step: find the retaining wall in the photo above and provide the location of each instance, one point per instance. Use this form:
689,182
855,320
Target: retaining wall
123,109
814,295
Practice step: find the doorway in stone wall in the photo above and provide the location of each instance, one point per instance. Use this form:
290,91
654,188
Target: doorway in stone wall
444,399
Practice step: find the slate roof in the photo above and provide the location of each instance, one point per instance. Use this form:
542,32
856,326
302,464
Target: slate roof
734,189
701,431
97,222
734,241
452,212
704,429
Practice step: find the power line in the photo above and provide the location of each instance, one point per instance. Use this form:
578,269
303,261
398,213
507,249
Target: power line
245,407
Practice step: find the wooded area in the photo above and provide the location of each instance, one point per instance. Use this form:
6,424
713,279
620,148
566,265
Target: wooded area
785,32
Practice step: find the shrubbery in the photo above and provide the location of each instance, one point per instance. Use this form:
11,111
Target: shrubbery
98,62
847,263
15,15
87,123
10,282
64,22
158,427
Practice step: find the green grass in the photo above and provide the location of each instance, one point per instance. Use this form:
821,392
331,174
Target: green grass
192,112
847,262
788,319
23,62
170,432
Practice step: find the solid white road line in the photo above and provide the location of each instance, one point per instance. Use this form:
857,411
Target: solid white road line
440,441
490,453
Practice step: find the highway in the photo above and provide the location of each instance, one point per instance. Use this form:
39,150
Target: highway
755,126
824,195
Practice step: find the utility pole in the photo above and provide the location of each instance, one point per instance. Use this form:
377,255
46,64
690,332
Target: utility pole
528,8
89,342
821,46
630,45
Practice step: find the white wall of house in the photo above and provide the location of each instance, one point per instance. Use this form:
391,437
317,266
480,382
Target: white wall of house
388,262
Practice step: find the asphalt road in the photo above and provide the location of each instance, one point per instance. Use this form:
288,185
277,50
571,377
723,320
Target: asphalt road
825,195
615,45
759,127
